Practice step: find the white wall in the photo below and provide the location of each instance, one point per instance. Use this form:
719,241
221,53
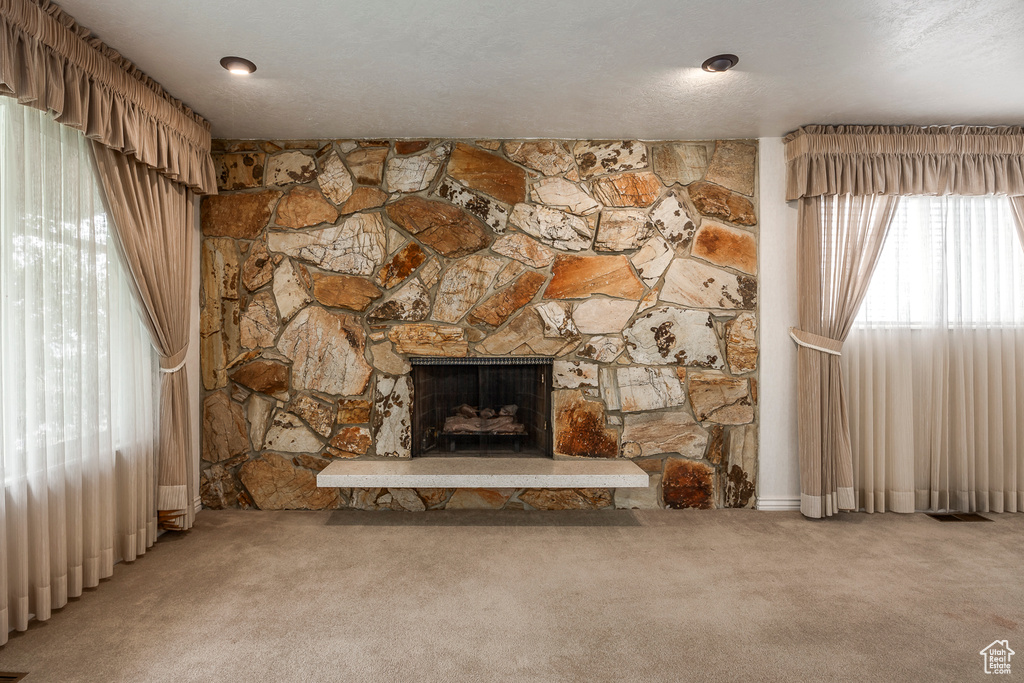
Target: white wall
778,481
192,363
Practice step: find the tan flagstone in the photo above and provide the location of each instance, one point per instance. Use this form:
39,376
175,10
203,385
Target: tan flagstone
640,188
335,181
733,166
594,158
550,157
674,336
326,350
725,246
525,249
289,168
462,286
717,202
681,163
239,171
696,284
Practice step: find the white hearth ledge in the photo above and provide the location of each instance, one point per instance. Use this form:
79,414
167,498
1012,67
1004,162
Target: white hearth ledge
541,473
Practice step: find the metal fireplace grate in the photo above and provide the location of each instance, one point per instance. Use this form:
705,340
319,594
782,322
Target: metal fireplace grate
481,360
449,389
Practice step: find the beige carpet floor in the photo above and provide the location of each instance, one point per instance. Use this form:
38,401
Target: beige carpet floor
541,596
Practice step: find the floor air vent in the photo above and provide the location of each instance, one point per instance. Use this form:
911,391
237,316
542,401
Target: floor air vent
958,517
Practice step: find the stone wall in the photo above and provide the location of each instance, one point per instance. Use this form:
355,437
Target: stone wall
325,264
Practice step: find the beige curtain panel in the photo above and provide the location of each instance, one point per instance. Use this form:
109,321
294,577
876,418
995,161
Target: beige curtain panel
49,62
154,218
840,239
904,160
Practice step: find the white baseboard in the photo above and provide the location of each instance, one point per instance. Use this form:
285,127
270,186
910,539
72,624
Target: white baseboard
778,502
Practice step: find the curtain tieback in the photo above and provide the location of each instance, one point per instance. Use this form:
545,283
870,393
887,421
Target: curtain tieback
174,362
816,342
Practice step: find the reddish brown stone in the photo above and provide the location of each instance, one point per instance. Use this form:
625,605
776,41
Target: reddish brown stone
488,173
441,226
741,345
410,303
720,399
688,484
550,157
317,415
258,268
725,246
239,171
478,499
410,146
352,440
716,445
717,202
364,198
401,266
218,486
344,291
578,277
500,306
303,207
433,497
242,216
335,453
429,340
367,165
580,428
223,428
628,189
650,465
567,499
277,484
310,462
264,376
738,488
353,411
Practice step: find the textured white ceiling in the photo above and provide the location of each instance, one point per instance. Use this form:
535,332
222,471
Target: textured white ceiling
573,68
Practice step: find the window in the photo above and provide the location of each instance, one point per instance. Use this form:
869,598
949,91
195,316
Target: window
948,262
935,362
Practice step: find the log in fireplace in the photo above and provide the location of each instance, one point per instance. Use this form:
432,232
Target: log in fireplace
481,406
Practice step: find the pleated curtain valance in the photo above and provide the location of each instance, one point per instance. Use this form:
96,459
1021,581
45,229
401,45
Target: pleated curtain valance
49,62
904,160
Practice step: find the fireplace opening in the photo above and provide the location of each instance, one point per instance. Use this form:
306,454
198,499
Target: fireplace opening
481,406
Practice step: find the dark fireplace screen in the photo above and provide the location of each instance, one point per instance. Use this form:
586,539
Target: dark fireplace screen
481,406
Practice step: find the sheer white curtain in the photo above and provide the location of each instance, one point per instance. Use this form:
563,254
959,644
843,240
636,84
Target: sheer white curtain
935,362
77,378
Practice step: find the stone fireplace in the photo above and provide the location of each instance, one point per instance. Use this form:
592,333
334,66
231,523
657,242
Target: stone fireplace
358,294
481,406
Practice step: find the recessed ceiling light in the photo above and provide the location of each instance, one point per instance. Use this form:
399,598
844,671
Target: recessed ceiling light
720,63
238,65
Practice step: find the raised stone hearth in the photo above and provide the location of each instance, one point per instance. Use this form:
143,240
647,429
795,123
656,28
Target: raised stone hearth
463,473
630,266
